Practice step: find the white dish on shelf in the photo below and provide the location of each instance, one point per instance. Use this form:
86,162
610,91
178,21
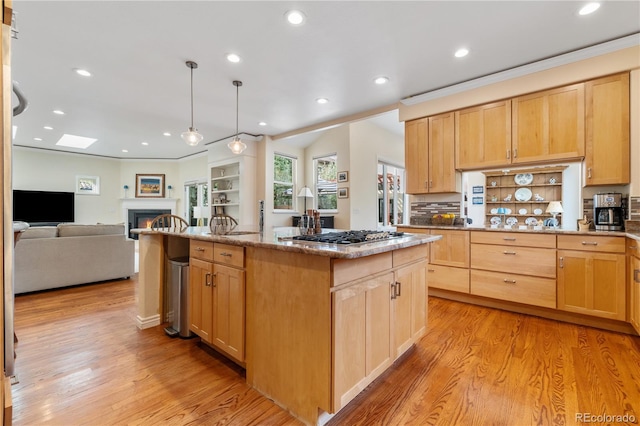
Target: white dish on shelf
512,221
522,211
495,220
494,211
537,211
531,221
507,211
523,194
523,178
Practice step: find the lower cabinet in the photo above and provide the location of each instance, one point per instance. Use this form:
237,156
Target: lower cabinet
592,283
227,331
374,321
634,292
200,298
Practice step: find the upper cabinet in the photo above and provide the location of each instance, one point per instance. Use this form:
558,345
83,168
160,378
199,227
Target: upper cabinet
429,155
483,135
607,131
548,125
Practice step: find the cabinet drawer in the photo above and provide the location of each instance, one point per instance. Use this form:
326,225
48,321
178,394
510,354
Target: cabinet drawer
514,239
346,270
514,288
591,243
410,254
229,255
539,262
448,278
201,250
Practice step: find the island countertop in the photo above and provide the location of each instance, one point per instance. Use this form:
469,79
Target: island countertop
280,238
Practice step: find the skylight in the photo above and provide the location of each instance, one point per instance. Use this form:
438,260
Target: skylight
72,141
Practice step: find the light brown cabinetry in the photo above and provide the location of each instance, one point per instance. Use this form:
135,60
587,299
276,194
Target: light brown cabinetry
449,261
607,131
483,136
429,155
548,125
634,287
200,298
517,267
592,275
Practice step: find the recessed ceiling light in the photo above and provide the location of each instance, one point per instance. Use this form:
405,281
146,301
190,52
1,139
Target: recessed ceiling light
48,127
381,80
295,17
232,57
145,143
125,150
589,8
73,141
37,139
322,100
167,134
461,53
82,72
59,112
262,123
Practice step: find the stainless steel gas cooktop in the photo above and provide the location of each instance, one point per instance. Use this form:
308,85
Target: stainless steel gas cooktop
348,237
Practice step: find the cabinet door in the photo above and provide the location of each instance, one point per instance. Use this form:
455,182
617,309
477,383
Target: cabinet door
200,298
634,284
361,336
549,125
451,250
410,306
442,168
416,154
483,136
228,310
607,128
592,283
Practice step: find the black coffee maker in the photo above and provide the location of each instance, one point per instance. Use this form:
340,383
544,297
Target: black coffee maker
608,211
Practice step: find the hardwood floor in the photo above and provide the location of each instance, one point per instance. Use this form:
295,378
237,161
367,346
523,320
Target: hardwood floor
82,361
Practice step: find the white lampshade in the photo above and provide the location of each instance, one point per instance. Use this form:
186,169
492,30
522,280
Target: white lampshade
198,212
237,146
191,137
555,207
305,192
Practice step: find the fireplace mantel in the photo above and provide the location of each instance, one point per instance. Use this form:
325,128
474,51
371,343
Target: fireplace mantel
146,203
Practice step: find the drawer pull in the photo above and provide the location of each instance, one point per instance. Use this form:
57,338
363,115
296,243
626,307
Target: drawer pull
431,270
636,274
509,252
225,254
509,239
633,247
589,243
199,249
509,281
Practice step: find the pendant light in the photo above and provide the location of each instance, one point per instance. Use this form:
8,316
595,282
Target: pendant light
236,145
191,137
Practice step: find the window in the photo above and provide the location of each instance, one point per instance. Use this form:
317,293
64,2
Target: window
326,181
391,195
284,171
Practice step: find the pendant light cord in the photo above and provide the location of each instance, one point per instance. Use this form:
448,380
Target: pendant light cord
237,106
191,96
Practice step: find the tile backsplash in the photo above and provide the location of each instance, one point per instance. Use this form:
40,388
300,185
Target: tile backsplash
422,211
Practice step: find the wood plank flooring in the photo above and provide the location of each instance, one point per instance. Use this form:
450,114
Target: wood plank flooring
82,361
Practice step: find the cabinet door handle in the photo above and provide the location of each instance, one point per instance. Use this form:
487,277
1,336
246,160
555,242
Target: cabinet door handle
393,291
589,243
509,252
431,270
225,254
398,288
562,262
213,280
426,184
509,281
508,154
509,239
207,279
589,173
515,153
430,184
636,275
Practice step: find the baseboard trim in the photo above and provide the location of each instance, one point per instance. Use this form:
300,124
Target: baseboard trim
147,322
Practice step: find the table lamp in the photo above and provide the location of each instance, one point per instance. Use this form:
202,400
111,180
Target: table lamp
554,208
306,193
198,213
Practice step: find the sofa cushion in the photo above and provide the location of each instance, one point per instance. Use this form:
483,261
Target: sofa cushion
40,232
69,230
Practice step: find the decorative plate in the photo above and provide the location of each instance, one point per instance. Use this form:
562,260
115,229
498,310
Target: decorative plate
523,194
551,222
507,211
531,221
522,211
512,221
537,211
495,220
494,211
523,178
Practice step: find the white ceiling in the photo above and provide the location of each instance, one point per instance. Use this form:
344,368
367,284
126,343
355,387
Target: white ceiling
137,50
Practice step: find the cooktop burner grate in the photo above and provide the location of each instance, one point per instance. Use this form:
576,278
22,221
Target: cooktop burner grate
349,237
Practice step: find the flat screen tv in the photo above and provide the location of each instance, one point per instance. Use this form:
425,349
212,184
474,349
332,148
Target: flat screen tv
43,207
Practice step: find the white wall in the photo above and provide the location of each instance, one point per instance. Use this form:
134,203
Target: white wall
369,143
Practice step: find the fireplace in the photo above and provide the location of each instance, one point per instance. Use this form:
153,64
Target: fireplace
141,218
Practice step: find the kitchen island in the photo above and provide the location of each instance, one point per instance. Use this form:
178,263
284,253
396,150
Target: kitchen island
312,323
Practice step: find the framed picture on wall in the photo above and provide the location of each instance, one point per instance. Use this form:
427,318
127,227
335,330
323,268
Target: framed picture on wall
149,186
343,176
343,192
88,185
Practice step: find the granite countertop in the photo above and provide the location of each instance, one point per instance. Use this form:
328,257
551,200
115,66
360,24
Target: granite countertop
279,238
